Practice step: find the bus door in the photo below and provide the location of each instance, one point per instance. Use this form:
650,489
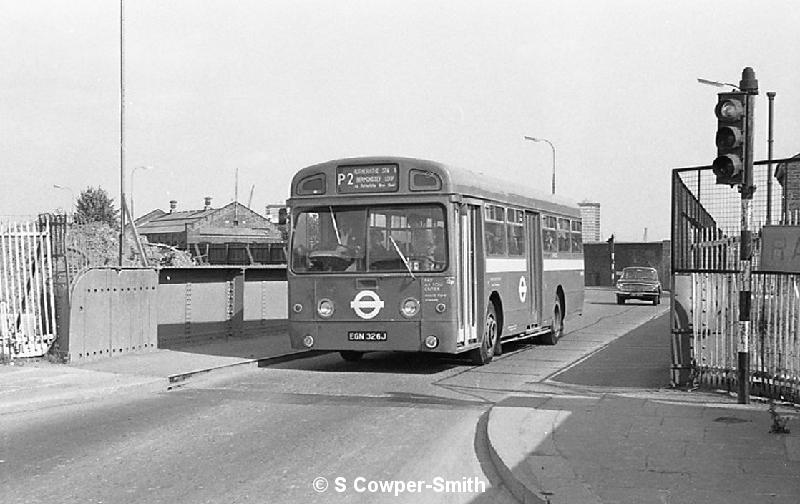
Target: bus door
467,275
534,233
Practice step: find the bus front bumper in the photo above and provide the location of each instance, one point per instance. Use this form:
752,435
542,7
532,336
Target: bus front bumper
405,336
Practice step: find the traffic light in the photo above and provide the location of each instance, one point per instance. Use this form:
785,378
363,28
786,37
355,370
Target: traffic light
731,113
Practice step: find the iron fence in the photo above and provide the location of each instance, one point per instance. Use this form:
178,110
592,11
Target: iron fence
27,299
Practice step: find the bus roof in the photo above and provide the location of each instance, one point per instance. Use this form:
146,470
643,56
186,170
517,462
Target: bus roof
455,180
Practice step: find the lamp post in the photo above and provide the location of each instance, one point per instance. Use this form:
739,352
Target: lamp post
534,139
71,194
133,172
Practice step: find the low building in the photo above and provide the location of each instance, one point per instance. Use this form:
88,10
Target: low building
231,235
788,175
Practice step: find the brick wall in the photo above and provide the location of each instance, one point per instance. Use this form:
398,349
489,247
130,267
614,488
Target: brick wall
788,175
597,259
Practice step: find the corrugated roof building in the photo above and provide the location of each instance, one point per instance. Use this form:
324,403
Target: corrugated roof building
232,234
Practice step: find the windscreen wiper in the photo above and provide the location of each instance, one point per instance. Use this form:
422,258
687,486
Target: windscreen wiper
335,226
405,261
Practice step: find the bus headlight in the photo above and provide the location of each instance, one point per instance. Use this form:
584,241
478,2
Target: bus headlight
431,342
308,341
410,307
325,308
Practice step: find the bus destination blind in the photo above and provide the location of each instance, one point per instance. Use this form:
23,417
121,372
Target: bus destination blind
366,178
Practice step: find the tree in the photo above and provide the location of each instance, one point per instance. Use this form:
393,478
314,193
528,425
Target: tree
94,205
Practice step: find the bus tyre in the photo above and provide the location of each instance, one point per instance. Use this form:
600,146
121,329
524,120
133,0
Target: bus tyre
557,330
484,353
351,355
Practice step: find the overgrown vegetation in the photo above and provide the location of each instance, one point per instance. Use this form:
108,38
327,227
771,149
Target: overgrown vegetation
92,238
97,244
778,421
94,205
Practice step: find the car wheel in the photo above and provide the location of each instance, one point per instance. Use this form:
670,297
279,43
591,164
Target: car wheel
484,353
620,300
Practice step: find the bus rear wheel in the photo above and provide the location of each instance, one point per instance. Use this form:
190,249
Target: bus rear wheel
484,353
557,330
351,355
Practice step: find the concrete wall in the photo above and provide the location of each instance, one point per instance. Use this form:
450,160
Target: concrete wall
118,311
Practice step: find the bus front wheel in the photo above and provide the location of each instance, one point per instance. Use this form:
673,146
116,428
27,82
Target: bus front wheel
351,356
484,353
557,330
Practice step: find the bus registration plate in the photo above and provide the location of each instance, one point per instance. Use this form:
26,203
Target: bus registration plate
366,336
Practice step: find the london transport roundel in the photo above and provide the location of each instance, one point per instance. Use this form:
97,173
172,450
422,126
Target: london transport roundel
367,304
523,289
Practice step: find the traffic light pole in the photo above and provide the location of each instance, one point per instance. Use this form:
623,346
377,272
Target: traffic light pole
749,85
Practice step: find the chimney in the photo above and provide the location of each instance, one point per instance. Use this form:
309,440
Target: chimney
173,204
208,203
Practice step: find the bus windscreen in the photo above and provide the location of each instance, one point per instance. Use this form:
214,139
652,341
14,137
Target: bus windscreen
370,239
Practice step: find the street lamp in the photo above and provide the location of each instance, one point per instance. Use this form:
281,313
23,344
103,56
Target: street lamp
534,139
133,172
71,194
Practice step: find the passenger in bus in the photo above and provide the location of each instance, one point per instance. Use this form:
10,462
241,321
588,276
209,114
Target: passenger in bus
423,244
380,255
439,256
377,247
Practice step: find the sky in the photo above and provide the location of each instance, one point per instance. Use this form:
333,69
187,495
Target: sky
267,87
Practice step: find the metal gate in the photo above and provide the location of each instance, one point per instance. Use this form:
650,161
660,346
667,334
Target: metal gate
27,301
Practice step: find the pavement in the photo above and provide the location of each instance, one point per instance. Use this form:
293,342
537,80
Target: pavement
27,385
660,447
560,444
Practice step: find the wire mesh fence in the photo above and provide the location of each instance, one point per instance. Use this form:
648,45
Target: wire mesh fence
706,241
707,218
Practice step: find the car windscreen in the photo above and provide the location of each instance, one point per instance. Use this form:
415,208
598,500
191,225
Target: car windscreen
639,274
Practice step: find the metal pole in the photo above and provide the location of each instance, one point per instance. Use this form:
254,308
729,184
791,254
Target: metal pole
132,215
771,97
748,84
121,129
554,165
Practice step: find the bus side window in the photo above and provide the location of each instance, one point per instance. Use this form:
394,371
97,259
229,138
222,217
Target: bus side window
563,235
495,230
550,243
495,238
577,236
516,233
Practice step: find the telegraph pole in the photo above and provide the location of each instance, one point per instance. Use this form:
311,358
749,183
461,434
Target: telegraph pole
121,131
749,86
